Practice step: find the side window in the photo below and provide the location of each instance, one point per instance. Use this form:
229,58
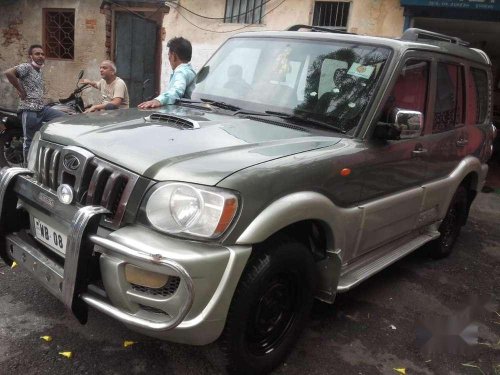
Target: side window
449,107
410,89
478,91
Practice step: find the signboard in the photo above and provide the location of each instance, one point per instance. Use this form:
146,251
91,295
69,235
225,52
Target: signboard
456,4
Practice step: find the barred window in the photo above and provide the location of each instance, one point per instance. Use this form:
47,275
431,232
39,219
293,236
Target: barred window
244,11
331,13
59,33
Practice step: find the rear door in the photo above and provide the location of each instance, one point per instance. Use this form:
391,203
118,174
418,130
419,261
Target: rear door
448,135
460,118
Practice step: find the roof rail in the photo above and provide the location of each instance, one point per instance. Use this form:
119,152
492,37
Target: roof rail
327,29
483,54
414,34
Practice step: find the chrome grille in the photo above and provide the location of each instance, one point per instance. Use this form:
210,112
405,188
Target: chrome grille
48,167
95,181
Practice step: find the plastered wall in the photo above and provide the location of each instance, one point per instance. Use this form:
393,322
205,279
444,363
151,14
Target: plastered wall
370,17
21,24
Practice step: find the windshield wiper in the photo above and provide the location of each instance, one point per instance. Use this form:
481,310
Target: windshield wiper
288,116
193,103
221,105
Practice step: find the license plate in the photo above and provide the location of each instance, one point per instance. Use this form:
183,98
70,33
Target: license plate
50,236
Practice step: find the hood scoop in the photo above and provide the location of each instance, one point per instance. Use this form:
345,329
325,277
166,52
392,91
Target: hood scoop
174,121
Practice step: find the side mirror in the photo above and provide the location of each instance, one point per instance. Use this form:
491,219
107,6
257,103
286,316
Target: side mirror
403,124
202,74
80,75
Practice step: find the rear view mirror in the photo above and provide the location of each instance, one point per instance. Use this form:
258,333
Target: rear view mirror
80,75
402,124
410,123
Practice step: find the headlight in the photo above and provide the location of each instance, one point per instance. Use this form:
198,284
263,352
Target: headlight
33,151
193,210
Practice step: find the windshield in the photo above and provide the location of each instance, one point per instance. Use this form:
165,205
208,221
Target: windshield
328,81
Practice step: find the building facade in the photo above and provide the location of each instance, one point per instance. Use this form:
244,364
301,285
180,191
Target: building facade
208,23
64,25
78,34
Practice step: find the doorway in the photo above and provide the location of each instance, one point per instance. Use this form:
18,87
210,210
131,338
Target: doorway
136,55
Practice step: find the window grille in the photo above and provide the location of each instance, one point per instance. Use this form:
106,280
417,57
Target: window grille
331,13
244,11
59,33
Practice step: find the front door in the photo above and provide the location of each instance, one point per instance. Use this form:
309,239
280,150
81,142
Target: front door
135,55
395,170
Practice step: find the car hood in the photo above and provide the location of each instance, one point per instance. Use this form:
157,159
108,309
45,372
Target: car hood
218,146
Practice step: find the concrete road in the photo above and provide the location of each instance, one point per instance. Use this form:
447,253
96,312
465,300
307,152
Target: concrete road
407,317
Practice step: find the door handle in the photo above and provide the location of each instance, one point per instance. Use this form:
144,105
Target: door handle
419,152
462,142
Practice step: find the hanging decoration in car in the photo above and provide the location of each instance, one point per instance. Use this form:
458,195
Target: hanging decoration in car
282,66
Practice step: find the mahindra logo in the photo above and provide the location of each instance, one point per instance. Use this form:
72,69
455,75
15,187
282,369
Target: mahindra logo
71,162
46,199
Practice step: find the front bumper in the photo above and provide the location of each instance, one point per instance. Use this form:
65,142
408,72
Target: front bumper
193,312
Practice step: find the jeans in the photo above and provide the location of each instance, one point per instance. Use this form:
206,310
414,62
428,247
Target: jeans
32,122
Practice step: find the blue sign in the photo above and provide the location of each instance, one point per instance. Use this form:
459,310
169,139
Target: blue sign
456,4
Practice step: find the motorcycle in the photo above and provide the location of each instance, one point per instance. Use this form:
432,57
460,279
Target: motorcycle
11,139
11,129
73,104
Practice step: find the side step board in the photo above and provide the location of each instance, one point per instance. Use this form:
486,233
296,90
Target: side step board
355,275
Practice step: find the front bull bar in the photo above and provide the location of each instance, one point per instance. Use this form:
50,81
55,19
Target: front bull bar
69,283
66,285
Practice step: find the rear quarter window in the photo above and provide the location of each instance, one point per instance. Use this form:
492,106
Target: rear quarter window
478,89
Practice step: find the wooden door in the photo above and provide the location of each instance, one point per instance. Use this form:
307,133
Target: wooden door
135,55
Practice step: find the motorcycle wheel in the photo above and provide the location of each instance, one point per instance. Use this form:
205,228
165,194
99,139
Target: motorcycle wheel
11,152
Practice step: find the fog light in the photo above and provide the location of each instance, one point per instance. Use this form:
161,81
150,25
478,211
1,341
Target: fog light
65,194
139,276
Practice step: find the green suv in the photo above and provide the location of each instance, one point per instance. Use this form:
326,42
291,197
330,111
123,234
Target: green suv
304,163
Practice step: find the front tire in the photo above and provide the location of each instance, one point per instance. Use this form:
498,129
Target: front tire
450,226
270,307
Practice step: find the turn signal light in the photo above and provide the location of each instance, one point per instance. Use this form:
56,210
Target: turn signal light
345,172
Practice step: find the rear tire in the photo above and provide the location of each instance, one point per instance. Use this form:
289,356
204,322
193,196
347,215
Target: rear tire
450,226
270,307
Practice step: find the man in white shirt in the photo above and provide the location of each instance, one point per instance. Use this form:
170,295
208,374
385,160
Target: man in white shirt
113,89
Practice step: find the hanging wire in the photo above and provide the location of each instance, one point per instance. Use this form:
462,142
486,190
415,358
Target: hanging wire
227,31
176,5
193,24
135,13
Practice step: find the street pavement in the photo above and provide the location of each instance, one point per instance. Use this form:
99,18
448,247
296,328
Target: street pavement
419,316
